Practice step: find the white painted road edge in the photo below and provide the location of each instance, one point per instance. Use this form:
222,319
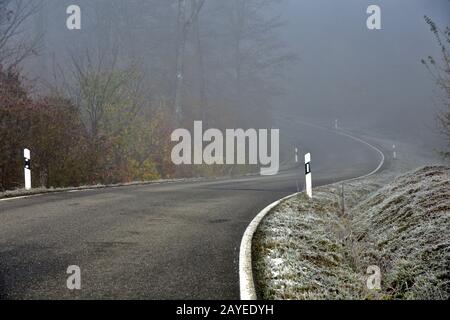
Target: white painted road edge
246,281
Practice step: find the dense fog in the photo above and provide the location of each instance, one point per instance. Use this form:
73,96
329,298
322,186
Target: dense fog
334,67
136,70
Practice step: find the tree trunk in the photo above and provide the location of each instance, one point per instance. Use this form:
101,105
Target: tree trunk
181,45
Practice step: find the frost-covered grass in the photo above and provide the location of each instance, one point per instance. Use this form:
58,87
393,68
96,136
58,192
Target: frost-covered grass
313,249
405,229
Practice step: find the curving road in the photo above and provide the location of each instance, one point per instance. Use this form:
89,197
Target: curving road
165,241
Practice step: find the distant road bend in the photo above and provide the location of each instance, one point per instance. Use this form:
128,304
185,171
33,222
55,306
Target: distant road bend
165,241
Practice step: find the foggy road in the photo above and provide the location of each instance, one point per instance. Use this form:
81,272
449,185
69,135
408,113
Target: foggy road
166,241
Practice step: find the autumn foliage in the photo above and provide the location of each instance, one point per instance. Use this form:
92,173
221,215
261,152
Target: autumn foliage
64,152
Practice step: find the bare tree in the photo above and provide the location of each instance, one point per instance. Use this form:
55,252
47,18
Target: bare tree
187,15
14,44
257,55
201,70
98,82
440,71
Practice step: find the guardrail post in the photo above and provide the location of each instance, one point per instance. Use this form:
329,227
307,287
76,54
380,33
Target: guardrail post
308,174
27,168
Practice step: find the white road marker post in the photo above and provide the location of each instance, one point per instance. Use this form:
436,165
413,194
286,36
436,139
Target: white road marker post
394,152
296,155
336,126
308,175
27,168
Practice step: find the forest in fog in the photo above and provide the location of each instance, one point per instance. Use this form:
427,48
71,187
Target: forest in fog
103,100
98,104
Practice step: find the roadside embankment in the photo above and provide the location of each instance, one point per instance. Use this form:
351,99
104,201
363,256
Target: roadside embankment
321,248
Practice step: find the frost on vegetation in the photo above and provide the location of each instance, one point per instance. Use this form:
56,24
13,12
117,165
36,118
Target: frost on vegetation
312,249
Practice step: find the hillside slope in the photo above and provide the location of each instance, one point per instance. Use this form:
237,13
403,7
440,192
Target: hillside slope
321,249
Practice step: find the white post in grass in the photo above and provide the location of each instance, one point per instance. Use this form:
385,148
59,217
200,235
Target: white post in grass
296,155
336,126
394,152
308,175
27,168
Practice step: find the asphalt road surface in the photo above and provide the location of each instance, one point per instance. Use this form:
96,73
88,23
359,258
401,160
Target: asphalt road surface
164,241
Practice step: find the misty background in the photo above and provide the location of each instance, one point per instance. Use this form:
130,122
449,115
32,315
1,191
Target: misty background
369,79
138,69
362,77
